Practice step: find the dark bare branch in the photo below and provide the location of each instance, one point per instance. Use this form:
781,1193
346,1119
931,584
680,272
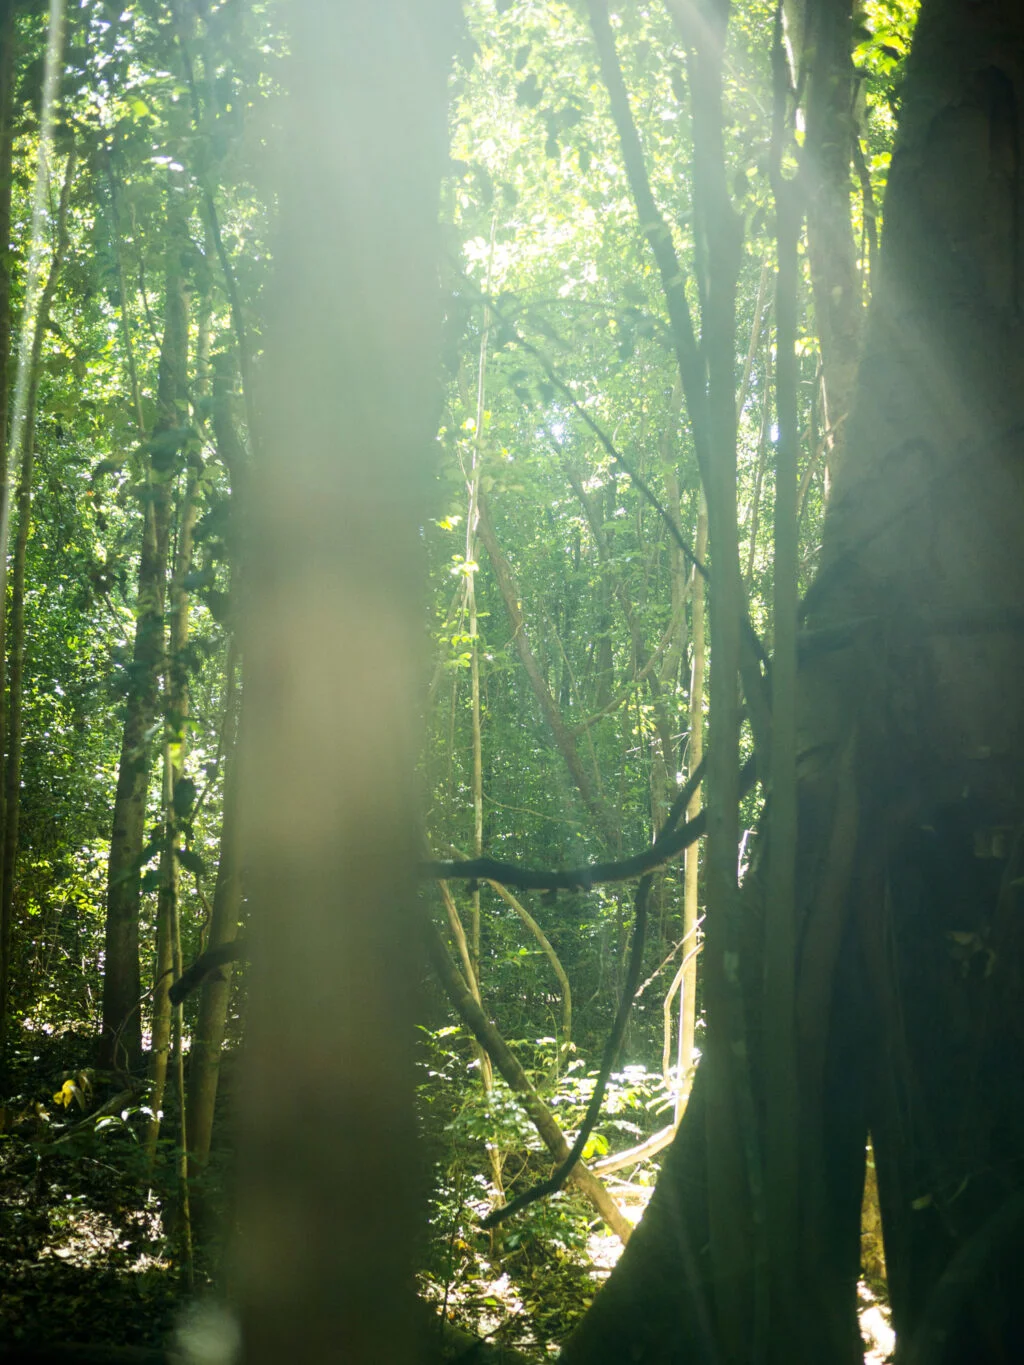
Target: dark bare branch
669,843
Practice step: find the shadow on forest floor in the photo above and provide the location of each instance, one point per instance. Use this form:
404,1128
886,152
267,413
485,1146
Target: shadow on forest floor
83,1255
526,1308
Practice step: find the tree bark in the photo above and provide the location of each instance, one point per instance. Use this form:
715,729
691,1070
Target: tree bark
176,703
211,1021
923,544
822,30
8,44
691,863
8,48
121,1039
328,1191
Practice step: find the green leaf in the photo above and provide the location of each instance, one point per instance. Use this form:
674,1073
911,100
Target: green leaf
596,1145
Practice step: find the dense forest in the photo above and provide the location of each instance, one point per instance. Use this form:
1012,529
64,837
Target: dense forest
511,792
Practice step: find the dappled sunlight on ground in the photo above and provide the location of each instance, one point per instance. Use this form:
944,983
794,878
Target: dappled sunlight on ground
530,1303
493,1302
526,1303
875,1327
84,1254
603,1247
83,1236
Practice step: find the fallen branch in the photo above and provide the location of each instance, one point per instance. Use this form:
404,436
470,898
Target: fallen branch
651,1146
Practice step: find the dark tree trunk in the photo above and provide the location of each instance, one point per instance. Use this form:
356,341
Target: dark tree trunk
939,431
824,31
121,1038
910,855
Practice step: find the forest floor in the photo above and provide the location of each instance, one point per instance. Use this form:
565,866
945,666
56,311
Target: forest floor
532,1307
85,1258
531,1298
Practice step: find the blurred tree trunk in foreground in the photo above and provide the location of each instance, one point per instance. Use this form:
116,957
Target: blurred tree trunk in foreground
328,1186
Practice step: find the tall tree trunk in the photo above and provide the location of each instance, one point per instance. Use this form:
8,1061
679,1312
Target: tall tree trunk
121,1039
332,657
782,1110
16,637
822,34
688,985
211,1021
476,718
731,1163
8,47
176,702
935,567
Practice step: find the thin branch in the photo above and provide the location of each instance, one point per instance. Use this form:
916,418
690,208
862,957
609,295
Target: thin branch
558,1178
753,652
611,1047
508,1064
564,740
546,948
627,691
583,878
651,1146
459,935
666,1009
663,850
